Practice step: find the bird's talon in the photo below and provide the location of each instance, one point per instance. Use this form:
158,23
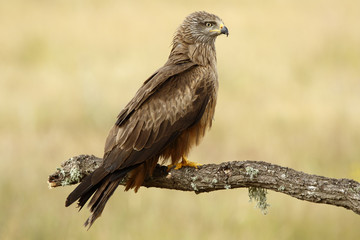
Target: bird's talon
169,167
186,163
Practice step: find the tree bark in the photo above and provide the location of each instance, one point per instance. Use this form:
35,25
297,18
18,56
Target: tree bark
255,175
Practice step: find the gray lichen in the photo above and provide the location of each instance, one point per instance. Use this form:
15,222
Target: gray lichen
252,172
259,195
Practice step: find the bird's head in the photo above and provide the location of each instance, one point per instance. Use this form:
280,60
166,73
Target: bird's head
202,27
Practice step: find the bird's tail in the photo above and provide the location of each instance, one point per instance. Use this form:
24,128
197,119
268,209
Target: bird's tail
100,198
101,185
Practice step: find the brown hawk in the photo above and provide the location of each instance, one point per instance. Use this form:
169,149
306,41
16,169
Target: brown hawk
168,115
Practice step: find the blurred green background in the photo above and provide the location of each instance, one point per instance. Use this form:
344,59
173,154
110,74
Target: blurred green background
289,94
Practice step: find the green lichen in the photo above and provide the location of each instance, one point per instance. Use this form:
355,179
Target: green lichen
75,174
61,171
193,185
355,189
65,182
259,195
211,182
194,178
252,172
281,188
74,177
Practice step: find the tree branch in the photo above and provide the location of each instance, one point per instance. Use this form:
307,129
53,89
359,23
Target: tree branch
255,175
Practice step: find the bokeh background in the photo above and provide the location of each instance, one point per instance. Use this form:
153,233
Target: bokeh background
289,94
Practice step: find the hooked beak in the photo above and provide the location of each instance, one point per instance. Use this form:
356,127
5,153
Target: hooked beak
224,30
221,30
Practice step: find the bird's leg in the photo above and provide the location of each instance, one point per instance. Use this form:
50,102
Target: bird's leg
186,163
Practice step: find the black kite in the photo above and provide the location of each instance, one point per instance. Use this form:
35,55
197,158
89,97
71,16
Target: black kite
168,115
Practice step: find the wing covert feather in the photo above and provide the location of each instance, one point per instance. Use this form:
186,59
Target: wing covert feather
172,108
150,86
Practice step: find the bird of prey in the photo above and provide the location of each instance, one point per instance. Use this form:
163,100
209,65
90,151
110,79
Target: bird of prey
167,116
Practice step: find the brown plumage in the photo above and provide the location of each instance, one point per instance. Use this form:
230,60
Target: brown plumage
168,115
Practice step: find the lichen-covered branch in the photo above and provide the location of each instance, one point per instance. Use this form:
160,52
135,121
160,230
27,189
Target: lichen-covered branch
255,175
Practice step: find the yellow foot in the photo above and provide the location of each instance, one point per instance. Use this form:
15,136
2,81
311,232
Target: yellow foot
170,166
186,163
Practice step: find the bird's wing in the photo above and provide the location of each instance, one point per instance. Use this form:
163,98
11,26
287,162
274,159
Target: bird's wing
150,86
165,105
161,110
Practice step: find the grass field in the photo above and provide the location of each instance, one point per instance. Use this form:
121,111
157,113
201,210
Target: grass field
289,94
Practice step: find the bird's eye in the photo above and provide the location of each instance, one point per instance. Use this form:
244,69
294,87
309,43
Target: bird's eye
208,24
